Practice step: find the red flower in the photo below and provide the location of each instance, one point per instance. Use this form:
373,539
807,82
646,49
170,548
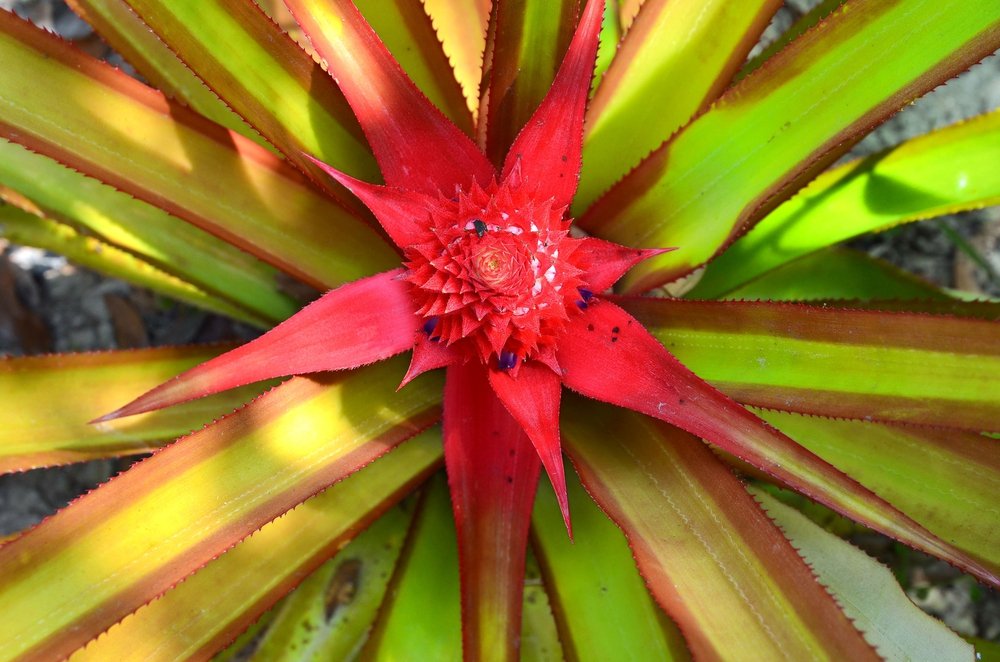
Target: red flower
495,288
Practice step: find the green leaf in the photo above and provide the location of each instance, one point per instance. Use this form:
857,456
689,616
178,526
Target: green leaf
461,26
524,48
944,172
406,30
836,273
539,637
421,611
710,557
126,33
604,610
867,591
151,234
209,608
783,124
676,58
116,548
946,480
36,434
30,230
265,77
101,122
798,28
908,367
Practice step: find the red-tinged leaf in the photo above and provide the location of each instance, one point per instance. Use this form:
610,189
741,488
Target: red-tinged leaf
866,364
947,480
492,473
124,544
428,355
603,262
782,125
356,324
243,56
406,29
124,31
415,145
525,43
421,609
673,62
37,434
548,148
461,26
710,556
606,354
532,398
212,606
175,159
402,214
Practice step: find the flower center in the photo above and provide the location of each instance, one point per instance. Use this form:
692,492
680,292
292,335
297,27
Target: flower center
491,276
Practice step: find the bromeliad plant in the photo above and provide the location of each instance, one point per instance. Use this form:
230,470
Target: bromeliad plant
876,408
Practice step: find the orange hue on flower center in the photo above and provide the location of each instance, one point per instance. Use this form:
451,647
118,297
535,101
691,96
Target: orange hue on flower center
492,275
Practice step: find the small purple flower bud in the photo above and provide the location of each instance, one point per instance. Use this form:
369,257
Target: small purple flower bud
430,325
506,360
586,294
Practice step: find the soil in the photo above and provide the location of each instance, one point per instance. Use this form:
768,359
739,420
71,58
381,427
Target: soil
49,305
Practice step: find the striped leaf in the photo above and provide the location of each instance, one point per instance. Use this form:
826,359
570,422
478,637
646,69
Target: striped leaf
780,126
944,172
710,557
676,58
220,600
175,159
116,548
908,367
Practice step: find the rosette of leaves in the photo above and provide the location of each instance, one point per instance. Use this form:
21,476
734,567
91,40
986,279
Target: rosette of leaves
468,182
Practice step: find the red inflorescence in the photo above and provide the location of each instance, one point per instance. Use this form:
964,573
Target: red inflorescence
495,273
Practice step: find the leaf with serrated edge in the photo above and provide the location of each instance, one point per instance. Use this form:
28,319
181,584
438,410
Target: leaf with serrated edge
836,272
116,548
783,124
29,230
36,434
709,555
525,46
126,33
946,480
867,592
42,186
461,27
173,158
676,59
602,607
944,172
265,77
427,569
408,33
908,367
209,608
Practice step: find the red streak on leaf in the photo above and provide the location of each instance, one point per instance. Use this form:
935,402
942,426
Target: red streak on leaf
359,323
548,148
492,474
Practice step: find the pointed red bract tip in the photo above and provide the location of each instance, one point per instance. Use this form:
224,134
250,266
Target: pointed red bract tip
532,398
429,353
548,149
604,262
